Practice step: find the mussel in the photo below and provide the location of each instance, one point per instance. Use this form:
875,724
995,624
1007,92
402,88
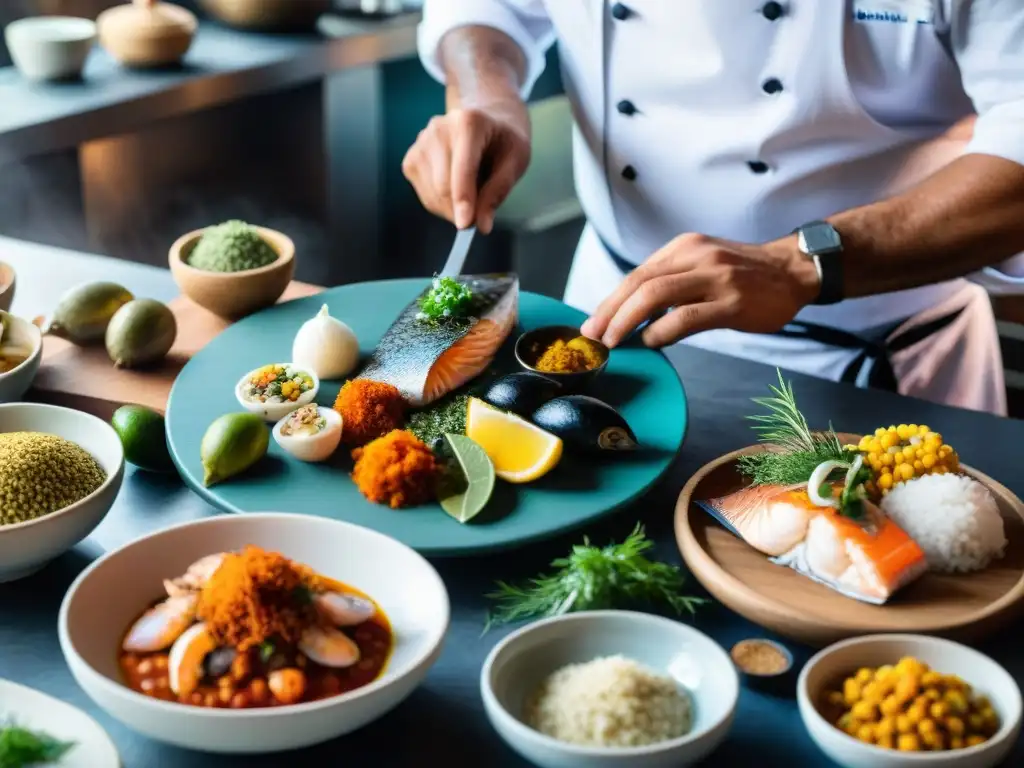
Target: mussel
521,393
586,424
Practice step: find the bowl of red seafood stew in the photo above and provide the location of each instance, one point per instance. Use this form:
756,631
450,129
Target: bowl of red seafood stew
255,633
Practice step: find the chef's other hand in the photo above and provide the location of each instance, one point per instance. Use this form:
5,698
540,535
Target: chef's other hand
706,283
464,163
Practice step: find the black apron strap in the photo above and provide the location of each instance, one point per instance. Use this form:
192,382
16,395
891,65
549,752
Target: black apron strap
877,355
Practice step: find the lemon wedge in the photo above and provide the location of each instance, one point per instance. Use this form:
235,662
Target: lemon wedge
520,451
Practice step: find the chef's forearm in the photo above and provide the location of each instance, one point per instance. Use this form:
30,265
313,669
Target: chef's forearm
482,66
966,216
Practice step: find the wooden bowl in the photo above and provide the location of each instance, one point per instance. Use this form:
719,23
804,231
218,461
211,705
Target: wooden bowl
147,34
267,14
232,295
961,606
7,285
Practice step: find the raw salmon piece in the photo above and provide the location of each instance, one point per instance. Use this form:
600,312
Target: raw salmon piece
426,361
867,559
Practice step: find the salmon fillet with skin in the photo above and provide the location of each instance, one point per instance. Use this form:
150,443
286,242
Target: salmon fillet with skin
426,360
867,559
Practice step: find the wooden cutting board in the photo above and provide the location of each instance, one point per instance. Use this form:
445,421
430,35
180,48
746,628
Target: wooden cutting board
85,379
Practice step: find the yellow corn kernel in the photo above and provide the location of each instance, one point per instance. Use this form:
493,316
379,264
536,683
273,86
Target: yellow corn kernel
906,471
908,742
916,714
974,740
938,709
864,675
907,687
933,694
864,710
933,740
836,699
872,692
904,724
955,726
891,705
851,691
866,733
957,701
886,727
926,726
886,742
975,721
991,718
888,440
903,431
885,481
852,726
956,742
982,702
928,461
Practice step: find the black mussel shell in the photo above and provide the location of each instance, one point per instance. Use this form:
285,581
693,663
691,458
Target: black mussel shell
585,423
521,393
218,663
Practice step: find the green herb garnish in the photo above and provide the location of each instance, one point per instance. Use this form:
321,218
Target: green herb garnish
592,578
445,417
20,747
800,451
266,651
303,595
447,299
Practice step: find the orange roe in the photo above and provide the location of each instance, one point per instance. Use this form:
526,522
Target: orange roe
254,596
398,470
369,409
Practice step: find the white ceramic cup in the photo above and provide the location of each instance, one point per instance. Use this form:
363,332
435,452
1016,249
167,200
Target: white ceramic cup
50,47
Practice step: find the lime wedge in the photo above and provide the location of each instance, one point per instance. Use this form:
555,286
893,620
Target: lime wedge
466,499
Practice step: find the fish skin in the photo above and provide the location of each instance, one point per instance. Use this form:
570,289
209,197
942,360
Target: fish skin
409,350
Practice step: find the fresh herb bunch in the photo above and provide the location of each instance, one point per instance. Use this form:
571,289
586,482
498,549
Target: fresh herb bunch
445,417
20,747
800,451
592,578
447,299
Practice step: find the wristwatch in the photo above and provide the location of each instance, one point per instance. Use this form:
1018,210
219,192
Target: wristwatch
820,241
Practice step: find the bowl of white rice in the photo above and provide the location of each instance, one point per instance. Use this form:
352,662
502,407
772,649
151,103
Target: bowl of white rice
610,688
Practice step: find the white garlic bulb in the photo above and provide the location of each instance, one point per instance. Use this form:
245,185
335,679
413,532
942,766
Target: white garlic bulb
326,345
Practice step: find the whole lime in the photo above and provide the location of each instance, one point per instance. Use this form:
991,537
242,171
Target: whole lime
142,434
232,444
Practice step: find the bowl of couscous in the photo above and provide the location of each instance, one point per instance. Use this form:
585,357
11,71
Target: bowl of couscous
610,688
906,701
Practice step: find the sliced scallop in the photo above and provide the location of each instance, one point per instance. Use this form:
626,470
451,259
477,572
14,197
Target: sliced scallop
329,647
185,664
344,610
160,626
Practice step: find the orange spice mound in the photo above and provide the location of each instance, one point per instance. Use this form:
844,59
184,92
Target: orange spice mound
369,409
398,470
254,596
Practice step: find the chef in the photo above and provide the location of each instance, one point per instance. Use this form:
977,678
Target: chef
801,183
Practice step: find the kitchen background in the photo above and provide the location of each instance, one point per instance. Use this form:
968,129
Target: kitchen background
316,156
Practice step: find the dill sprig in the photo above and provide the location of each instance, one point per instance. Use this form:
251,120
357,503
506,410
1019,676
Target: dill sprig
799,450
20,747
594,578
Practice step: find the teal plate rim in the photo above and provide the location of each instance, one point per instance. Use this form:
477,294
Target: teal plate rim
552,530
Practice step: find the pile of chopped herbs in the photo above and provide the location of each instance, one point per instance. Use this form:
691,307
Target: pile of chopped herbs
798,451
21,748
594,578
447,299
445,417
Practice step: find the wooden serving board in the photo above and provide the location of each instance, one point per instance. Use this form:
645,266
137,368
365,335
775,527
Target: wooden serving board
961,606
84,378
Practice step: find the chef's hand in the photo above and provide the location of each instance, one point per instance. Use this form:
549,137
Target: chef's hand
707,283
464,163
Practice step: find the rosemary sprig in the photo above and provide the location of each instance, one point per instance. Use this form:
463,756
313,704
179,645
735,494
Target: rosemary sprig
799,452
592,578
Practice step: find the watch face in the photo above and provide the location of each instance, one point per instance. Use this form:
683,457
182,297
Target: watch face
820,238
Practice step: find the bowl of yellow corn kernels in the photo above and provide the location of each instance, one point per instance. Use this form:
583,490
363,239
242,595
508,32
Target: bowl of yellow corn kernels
896,454
895,701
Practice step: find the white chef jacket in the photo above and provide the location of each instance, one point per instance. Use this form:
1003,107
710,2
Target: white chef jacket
744,119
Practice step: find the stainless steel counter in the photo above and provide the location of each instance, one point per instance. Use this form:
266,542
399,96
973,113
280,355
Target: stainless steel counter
224,65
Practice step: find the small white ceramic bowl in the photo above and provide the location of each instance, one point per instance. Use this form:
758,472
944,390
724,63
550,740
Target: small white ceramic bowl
8,284
27,338
275,411
983,674
109,595
519,663
27,547
313,448
50,47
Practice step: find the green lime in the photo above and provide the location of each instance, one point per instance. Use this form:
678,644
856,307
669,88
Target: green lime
466,499
142,434
232,444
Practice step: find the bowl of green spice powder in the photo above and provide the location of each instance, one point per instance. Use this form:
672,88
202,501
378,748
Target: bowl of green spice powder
60,471
233,269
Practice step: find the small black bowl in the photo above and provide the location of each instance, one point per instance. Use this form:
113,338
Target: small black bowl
532,344
781,683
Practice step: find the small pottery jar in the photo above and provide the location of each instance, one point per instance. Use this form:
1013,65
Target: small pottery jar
147,33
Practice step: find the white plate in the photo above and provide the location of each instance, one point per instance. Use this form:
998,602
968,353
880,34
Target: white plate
36,711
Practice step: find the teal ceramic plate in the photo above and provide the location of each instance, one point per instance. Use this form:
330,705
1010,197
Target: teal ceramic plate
639,382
